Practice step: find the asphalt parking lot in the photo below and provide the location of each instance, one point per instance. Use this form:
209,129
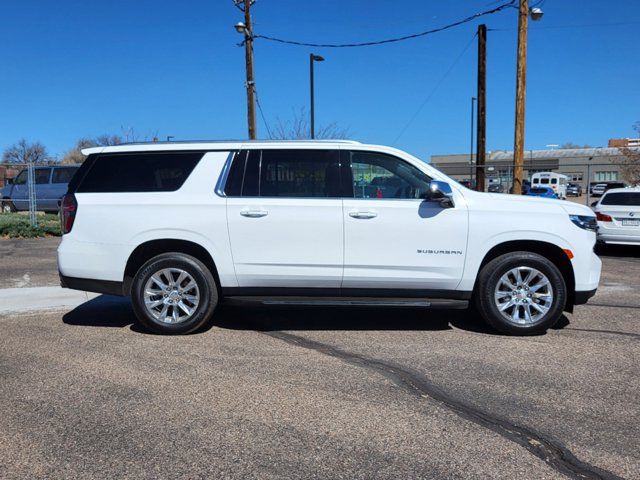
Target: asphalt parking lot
318,393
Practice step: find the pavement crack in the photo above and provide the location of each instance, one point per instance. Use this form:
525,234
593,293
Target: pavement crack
548,450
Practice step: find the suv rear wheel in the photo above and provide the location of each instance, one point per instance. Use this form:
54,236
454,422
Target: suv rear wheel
174,293
521,293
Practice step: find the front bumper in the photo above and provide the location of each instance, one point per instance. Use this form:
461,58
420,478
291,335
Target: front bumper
583,297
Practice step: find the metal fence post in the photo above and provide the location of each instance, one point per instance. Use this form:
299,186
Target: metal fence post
32,195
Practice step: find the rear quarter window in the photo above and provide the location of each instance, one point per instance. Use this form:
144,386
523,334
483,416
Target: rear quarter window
138,172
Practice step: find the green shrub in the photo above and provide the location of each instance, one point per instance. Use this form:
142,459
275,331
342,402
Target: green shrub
17,225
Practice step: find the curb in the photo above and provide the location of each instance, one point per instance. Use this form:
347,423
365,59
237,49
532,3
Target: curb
17,300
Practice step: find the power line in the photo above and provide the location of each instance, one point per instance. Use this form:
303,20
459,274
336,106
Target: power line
391,40
264,120
435,88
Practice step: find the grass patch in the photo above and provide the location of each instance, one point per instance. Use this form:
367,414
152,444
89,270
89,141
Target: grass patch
17,225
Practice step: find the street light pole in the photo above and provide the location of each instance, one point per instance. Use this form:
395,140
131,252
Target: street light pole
312,58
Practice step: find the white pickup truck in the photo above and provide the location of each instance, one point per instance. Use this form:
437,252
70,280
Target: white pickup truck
181,226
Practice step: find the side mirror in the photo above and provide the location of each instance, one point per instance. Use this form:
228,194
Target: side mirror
593,204
440,191
9,181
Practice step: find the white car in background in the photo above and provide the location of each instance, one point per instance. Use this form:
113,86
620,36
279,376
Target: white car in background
618,215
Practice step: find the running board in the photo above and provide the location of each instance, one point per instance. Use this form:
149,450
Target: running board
354,302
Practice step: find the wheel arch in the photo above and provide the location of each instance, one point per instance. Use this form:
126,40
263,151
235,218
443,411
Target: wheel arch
548,250
147,250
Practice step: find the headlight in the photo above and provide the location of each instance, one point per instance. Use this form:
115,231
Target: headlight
586,222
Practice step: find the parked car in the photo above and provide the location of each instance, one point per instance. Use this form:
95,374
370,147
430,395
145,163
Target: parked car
496,188
179,227
545,192
574,190
50,185
618,215
526,186
600,188
469,184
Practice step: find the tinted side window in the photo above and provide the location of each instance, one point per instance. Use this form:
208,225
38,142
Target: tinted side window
42,175
376,175
233,185
297,173
139,172
63,175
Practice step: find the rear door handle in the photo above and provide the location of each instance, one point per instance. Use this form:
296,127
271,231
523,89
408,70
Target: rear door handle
364,215
254,213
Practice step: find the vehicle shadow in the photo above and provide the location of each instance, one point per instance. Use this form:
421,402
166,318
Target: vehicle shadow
116,312
605,250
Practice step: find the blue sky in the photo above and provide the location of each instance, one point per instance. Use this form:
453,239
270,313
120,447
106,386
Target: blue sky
73,68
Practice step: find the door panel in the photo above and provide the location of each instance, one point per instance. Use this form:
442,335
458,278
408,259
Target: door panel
394,238
285,220
279,242
412,244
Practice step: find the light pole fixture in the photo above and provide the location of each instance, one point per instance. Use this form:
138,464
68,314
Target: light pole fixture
312,58
524,12
244,28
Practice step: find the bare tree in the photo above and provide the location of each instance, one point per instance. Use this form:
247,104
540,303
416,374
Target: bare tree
74,155
629,162
25,152
299,128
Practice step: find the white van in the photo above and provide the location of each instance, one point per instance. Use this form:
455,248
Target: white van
556,181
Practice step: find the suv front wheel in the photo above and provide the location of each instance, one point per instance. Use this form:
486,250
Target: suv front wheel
521,293
174,293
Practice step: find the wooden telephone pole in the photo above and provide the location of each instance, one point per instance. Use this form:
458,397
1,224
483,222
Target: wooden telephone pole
521,73
251,93
481,146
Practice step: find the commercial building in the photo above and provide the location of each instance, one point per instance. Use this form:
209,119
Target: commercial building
581,165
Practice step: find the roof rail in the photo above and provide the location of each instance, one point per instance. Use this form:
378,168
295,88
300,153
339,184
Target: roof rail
324,140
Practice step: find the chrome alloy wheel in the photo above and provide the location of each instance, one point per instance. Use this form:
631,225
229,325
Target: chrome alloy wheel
523,295
171,295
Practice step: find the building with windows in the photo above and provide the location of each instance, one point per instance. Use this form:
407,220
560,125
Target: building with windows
581,165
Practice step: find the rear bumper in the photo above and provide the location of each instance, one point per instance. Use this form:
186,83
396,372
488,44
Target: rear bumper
91,285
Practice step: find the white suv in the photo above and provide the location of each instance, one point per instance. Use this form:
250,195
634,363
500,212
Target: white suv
180,226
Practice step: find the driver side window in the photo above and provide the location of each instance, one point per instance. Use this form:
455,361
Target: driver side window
21,179
376,175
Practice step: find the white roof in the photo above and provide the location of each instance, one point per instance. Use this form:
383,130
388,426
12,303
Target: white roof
218,145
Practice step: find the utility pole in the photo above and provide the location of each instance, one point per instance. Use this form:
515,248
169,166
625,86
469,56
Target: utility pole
473,104
481,147
246,28
521,78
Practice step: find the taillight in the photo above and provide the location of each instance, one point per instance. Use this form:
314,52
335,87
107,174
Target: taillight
68,210
601,217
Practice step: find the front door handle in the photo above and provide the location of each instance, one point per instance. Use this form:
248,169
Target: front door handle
254,213
364,215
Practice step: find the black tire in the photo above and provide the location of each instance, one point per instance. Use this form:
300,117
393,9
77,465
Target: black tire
489,278
206,289
8,206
